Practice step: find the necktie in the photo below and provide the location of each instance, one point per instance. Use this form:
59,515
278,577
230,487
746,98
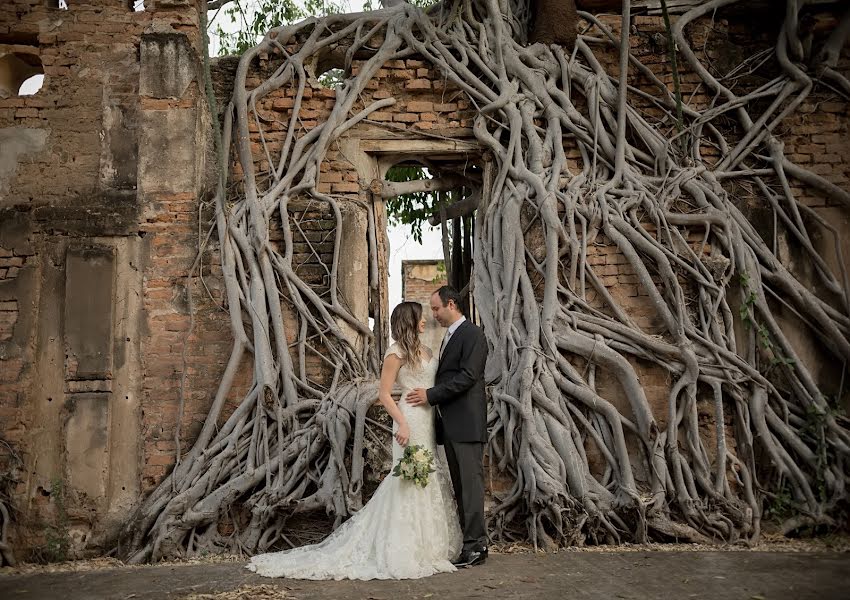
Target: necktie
445,342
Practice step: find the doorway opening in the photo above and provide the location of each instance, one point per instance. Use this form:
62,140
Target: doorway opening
430,200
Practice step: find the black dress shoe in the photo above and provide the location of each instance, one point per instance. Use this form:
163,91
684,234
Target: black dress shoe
470,558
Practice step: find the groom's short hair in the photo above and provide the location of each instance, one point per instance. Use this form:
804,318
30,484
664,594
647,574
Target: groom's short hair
447,293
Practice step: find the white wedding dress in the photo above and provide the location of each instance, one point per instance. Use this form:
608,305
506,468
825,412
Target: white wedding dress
403,532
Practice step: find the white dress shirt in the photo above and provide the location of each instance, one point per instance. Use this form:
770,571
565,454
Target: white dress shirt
452,328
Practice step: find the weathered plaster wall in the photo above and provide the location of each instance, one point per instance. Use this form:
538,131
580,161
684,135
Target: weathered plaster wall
106,148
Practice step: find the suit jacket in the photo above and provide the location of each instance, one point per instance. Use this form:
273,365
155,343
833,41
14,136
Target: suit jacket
458,393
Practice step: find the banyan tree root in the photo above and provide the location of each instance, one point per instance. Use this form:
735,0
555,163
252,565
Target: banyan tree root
10,462
293,445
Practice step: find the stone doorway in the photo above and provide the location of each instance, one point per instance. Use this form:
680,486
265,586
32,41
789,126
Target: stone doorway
444,195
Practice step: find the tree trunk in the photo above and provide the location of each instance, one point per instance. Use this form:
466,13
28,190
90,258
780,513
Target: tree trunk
555,22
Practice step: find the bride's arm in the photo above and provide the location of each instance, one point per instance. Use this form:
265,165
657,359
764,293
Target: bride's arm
389,372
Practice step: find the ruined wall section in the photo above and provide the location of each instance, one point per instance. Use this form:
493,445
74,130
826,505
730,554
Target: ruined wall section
107,148
419,280
813,136
103,205
427,104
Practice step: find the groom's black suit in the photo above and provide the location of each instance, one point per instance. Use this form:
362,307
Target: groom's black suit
459,396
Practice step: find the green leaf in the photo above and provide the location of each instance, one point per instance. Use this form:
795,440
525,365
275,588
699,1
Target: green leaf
255,19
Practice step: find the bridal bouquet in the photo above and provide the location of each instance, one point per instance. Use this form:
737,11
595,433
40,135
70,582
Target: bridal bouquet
415,465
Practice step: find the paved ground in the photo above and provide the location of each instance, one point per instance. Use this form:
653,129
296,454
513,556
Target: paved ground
568,575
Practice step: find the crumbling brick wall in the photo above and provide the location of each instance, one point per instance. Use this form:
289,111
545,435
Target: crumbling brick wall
100,183
426,103
812,136
419,280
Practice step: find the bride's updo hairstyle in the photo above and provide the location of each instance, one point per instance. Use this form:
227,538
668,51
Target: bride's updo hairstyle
404,324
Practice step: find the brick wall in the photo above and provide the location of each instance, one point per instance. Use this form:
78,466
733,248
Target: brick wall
419,280
426,103
209,344
78,180
426,106
812,135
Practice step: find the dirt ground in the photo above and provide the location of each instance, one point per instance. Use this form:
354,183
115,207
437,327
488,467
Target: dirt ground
636,573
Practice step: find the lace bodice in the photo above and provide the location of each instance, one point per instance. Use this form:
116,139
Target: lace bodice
420,419
410,377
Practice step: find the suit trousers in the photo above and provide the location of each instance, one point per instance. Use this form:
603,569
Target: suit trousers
466,468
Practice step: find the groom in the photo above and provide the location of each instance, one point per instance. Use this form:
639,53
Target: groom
461,407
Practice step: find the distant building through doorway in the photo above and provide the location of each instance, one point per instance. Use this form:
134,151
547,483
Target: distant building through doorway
419,279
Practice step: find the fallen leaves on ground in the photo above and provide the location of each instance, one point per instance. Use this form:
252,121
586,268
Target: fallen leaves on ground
246,592
106,562
71,566
767,543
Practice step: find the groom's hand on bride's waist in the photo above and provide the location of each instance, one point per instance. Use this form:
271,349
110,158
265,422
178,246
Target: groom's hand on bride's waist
417,397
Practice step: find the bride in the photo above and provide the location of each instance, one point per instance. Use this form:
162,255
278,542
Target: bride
404,531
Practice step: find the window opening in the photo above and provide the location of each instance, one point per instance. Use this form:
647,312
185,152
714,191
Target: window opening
328,67
21,74
32,85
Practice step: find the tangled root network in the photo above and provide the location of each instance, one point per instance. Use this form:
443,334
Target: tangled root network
643,185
